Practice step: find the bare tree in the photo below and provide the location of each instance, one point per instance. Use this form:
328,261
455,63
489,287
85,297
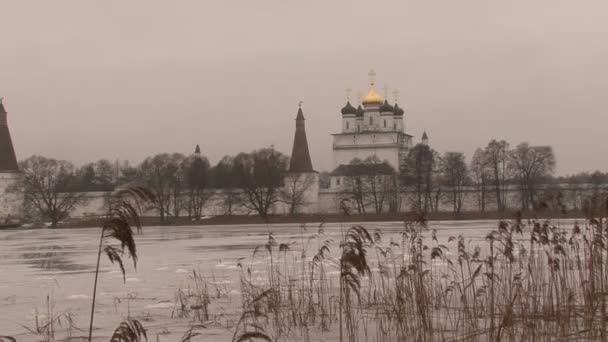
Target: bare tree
496,156
455,174
225,177
260,175
379,180
46,186
196,169
352,185
295,189
531,163
418,172
163,175
479,173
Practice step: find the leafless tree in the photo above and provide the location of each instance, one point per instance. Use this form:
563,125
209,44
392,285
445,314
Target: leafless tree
479,172
197,182
260,174
418,172
455,175
530,164
163,175
46,186
295,189
496,157
226,179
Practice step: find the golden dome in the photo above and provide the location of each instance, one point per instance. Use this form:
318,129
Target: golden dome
372,98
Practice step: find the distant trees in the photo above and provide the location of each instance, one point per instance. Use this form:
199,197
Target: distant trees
456,176
496,159
479,176
418,172
197,182
530,164
294,191
45,186
225,177
260,177
369,182
162,175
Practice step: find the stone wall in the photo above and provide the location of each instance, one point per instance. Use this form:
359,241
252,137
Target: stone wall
329,201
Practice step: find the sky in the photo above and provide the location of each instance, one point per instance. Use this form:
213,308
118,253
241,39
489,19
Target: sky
85,80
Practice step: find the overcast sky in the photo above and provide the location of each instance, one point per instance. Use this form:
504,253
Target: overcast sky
84,80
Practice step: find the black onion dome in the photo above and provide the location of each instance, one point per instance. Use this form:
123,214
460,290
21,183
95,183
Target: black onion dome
398,110
360,111
349,109
386,107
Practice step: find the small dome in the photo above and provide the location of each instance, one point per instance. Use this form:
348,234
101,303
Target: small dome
386,107
349,109
372,98
398,111
360,112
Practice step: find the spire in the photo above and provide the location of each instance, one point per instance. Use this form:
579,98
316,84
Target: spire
425,138
197,150
8,160
300,156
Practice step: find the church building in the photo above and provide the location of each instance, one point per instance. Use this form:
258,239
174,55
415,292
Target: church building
375,129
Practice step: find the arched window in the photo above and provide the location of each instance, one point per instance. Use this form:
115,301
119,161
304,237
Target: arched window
371,120
384,123
347,125
395,126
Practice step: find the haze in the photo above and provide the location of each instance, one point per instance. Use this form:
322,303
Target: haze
128,79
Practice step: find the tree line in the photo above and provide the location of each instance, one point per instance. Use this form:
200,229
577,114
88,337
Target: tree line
493,174
254,182
182,185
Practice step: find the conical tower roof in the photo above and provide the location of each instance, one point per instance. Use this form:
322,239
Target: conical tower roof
300,156
8,160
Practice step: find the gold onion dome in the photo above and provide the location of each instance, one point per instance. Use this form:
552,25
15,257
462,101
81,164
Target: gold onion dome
372,98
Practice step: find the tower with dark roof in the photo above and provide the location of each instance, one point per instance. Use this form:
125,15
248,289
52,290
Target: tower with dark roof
300,156
425,138
10,203
8,159
301,181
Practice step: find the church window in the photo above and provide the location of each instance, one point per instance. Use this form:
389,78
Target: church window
371,120
395,126
358,128
384,123
337,181
347,126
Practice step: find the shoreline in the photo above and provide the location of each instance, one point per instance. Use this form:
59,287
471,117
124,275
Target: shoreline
332,218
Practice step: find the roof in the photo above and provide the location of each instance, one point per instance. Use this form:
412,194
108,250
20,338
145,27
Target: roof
8,159
398,110
300,156
424,136
363,169
386,107
349,109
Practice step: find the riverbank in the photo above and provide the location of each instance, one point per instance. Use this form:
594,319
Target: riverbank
331,218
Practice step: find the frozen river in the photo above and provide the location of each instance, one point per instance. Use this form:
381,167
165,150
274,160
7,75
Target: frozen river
59,264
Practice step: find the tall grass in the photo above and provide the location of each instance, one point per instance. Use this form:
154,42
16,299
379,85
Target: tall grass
523,281
122,217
